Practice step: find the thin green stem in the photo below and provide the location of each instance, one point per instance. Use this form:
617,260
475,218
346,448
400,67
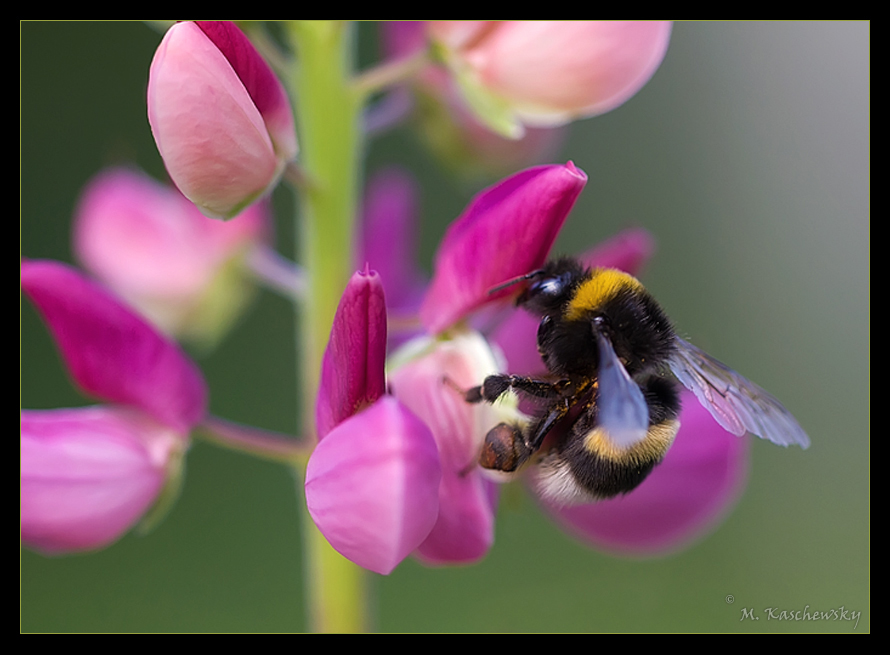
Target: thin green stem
260,443
328,114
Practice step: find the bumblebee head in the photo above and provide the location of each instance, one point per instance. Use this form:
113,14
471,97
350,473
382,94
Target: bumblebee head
576,303
552,287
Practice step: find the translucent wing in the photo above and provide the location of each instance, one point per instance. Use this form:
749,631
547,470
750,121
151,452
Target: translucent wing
735,402
621,408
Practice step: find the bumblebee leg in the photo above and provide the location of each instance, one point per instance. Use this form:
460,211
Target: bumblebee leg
495,386
504,449
506,446
545,424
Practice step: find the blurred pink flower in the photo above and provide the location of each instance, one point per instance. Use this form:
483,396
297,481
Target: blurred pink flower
88,474
221,119
506,231
547,73
156,250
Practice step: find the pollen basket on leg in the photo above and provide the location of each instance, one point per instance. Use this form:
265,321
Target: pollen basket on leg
603,285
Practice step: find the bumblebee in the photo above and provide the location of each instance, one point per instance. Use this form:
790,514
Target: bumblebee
608,411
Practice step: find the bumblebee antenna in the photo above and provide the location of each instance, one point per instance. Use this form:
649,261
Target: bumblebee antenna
515,280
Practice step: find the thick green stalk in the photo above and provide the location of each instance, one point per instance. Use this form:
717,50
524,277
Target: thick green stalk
328,114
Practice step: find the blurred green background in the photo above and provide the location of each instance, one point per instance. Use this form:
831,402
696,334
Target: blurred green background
746,156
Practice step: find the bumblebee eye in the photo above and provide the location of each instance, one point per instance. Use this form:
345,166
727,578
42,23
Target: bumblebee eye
549,287
552,287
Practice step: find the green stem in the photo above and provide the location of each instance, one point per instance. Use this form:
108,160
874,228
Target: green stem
328,113
254,441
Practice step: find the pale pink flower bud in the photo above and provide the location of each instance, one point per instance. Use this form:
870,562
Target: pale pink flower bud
184,271
220,117
547,73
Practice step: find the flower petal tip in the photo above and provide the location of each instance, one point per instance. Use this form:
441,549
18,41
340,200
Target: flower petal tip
506,231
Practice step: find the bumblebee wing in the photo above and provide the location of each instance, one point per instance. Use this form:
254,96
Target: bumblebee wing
735,402
621,408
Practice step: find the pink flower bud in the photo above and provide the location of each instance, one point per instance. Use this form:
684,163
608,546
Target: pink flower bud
372,482
352,374
89,474
220,117
154,248
550,72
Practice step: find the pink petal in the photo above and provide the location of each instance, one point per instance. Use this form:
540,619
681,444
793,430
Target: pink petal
372,485
429,386
464,530
388,240
352,370
506,231
551,72
156,250
684,498
215,142
401,38
628,251
517,337
264,87
112,353
89,474
461,34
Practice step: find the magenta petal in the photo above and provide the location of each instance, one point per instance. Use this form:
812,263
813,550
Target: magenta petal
264,88
89,474
111,352
506,231
684,497
627,251
352,370
517,337
401,38
388,241
372,485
